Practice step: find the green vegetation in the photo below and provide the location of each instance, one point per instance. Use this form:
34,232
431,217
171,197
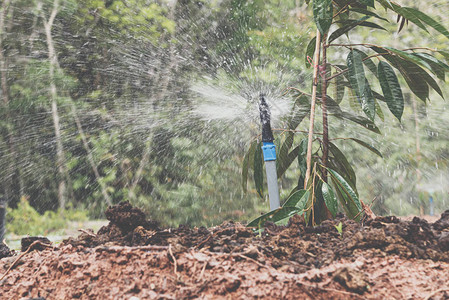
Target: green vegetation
97,107
25,220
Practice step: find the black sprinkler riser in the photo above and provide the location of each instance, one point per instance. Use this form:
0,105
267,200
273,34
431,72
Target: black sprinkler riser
267,134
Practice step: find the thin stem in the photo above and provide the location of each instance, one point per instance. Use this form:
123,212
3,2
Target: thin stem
341,11
296,89
313,193
312,107
324,110
295,130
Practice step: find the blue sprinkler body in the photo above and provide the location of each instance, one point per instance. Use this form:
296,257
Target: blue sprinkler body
269,151
269,154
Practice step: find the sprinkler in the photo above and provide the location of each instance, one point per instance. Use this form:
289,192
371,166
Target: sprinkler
269,154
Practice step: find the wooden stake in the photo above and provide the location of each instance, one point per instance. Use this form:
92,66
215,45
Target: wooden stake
316,59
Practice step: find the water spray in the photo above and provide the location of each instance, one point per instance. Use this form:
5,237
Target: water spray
269,154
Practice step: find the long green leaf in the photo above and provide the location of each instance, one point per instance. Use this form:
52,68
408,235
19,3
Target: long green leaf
379,111
438,67
300,110
342,165
444,53
351,202
367,13
335,110
310,50
367,101
356,72
287,161
429,21
245,167
409,57
367,61
416,83
367,2
367,146
329,198
391,89
409,15
413,69
342,30
302,162
258,169
339,89
322,14
274,216
298,199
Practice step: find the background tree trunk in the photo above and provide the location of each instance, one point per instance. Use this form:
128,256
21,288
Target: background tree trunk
60,161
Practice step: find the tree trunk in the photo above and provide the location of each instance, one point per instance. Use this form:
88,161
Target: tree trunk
12,168
62,188
90,158
163,83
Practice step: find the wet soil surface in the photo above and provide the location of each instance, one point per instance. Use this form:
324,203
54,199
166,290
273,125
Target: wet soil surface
133,257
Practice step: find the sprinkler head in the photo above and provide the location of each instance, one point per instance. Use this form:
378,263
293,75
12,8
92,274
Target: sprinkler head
267,134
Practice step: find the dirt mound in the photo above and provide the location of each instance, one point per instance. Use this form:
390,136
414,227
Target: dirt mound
338,259
5,251
308,246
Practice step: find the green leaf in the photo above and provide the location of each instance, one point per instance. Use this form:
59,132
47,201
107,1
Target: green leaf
342,165
379,111
329,199
367,101
367,2
367,146
274,216
342,30
302,162
444,53
335,110
300,110
349,199
391,89
322,14
339,89
258,169
437,66
356,72
368,62
429,21
285,163
367,13
409,15
413,70
310,51
245,166
409,57
298,199
409,71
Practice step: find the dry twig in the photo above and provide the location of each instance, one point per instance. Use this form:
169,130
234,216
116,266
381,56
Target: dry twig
22,255
436,292
174,261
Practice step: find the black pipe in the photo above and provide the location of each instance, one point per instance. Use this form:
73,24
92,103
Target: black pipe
267,134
